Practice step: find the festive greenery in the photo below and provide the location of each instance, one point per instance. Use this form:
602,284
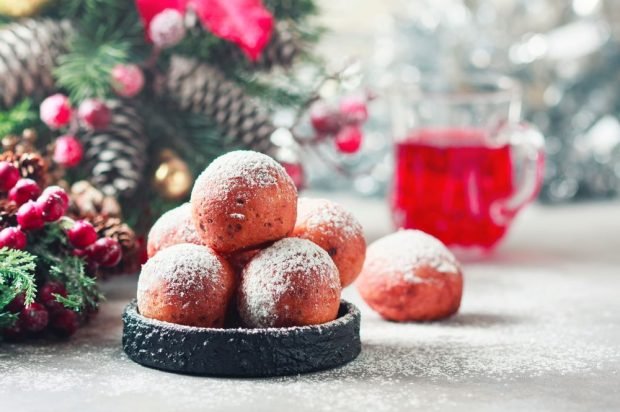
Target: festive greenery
17,276
100,35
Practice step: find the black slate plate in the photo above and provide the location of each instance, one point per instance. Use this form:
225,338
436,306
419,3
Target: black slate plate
242,352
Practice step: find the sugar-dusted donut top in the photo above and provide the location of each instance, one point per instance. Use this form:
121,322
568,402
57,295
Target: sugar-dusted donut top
405,252
177,221
331,217
182,268
268,276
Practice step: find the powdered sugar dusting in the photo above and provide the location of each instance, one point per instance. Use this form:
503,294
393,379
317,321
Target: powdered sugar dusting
251,169
330,216
177,220
405,252
267,277
182,267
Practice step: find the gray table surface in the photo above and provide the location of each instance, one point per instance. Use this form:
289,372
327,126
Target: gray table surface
539,329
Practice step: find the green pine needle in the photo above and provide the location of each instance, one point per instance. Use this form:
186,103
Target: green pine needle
18,118
16,276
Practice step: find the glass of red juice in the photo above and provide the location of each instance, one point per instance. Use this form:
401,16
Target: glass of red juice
465,163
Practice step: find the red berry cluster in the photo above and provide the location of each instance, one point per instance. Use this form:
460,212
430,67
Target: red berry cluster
37,208
42,314
57,113
344,122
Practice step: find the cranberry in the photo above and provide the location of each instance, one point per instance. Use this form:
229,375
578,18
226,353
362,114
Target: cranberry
29,216
47,298
65,322
52,207
354,109
349,139
24,190
14,333
12,238
323,118
57,190
82,234
105,251
94,114
55,111
127,80
9,175
34,317
68,151
17,304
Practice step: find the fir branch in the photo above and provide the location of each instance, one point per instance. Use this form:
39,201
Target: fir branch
16,276
292,9
85,71
18,118
82,291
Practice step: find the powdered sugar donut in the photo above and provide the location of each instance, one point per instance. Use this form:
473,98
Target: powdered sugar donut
186,284
242,200
411,276
291,283
337,231
173,227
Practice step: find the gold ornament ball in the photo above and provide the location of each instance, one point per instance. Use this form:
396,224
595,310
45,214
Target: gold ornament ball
173,179
21,8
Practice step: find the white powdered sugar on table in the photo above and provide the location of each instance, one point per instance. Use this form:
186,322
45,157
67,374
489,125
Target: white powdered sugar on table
267,277
182,267
242,167
331,217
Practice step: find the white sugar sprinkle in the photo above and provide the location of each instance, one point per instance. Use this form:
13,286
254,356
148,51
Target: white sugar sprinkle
177,220
330,216
182,267
405,252
267,277
243,167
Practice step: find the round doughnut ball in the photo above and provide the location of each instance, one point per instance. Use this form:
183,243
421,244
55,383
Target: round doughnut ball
186,284
243,200
173,227
291,283
411,276
335,230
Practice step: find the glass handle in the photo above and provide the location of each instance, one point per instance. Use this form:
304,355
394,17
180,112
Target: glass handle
527,155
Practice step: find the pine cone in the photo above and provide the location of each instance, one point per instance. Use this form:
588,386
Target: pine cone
281,51
8,211
116,156
29,52
30,165
200,88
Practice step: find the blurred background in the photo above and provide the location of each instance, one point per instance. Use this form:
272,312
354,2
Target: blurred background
565,54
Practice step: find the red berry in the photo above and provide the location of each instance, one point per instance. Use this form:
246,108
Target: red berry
127,80
94,114
349,139
29,216
68,151
65,322
59,191
13,238
52,207
323,118
105,252
17,304
82,234
296,172
34,317
47,298
14,333
9,175
56,111
167,28
354,109
24,190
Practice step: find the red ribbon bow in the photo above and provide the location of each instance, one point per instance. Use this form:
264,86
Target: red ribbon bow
247,23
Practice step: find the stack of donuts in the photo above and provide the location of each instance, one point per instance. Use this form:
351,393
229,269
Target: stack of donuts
246,251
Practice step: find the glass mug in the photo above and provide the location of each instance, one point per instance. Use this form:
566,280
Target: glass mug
465,163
